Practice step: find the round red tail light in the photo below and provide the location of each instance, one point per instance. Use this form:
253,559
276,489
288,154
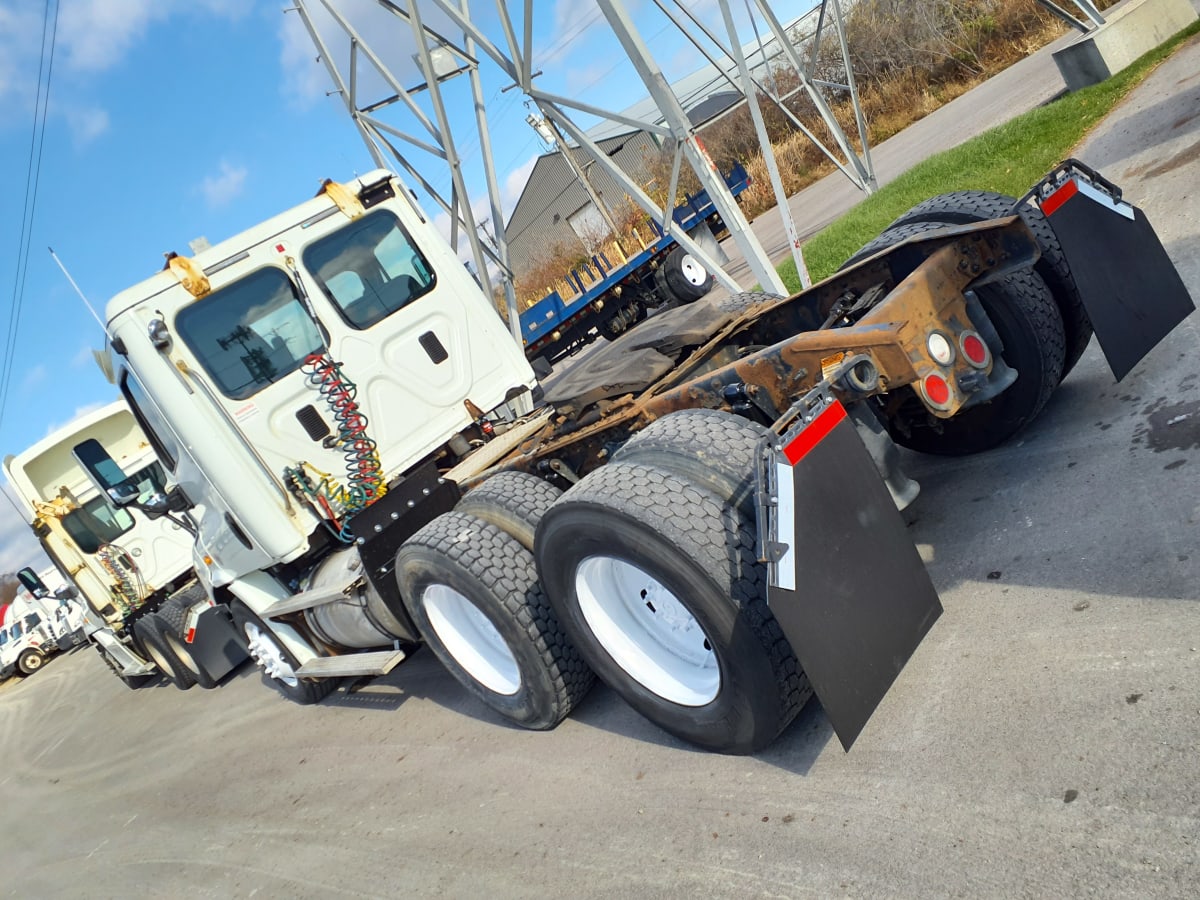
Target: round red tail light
974,350
937,391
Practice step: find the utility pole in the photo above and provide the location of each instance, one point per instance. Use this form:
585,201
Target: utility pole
549,132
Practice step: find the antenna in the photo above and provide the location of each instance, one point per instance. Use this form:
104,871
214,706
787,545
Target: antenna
77,290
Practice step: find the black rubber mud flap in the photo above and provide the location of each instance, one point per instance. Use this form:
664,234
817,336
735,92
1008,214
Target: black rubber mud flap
1128,284
845,581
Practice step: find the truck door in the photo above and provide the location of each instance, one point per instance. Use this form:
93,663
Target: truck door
413,334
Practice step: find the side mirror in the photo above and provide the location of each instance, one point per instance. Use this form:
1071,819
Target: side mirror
156,505
104,473
66,592
30,581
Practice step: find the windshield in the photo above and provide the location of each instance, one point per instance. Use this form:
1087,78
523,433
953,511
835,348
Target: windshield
369,269
250,334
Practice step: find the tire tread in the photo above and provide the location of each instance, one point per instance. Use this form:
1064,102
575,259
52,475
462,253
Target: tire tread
721,542
498,560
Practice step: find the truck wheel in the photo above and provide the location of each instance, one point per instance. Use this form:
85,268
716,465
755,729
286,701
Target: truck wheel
276,661
1030,327
709,448
150,630
30,661
739,303
685,276
474,594
963,207
174,619
512,501
665,597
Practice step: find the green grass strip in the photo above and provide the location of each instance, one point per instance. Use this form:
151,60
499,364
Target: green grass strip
1009,158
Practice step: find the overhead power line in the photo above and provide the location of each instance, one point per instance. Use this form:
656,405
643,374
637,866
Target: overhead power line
37,143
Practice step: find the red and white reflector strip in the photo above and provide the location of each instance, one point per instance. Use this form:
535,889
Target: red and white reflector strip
936,391
975,350
191,635
794,451
1073,186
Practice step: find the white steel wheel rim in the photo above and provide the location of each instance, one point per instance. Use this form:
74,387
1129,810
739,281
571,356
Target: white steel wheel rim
692,270
269,655
647,631
183,653
160,658
33,662
470,637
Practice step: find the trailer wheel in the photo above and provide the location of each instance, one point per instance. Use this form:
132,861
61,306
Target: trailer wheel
685,276
30,660
662,590
473,592
709,448
276,661
1030,327
963,207
174,617
512,501
149,630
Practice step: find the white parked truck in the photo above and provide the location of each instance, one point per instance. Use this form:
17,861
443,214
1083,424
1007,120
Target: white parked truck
131,567
694,513
34,627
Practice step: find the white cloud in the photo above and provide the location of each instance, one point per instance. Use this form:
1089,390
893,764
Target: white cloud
85,356
514,184
574,20
96,34
86,124
33,378
389,37
80,411
305,80
18,546
92,36
480,209
224,187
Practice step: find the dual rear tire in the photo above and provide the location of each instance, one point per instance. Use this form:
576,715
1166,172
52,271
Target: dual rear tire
644,572
469,583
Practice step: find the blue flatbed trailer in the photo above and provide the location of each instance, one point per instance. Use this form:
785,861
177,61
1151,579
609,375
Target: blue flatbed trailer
610,297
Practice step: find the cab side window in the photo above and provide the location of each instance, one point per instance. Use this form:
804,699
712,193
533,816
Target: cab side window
370,269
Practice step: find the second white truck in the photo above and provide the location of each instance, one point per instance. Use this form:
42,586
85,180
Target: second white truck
133,569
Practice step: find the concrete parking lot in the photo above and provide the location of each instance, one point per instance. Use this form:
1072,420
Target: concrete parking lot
1041,742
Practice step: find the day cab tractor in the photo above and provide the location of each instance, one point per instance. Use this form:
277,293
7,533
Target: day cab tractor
702,513
147,616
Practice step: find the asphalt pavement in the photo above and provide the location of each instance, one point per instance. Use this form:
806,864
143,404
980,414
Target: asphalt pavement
1041,742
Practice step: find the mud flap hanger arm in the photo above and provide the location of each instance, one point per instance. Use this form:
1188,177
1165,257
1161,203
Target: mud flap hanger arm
845,581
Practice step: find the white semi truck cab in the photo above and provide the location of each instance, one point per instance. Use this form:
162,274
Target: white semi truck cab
331,360
131,568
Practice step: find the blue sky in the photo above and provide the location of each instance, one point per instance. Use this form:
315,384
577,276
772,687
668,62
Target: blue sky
169,120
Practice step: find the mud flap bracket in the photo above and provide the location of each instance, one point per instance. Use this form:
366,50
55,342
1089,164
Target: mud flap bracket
845,581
